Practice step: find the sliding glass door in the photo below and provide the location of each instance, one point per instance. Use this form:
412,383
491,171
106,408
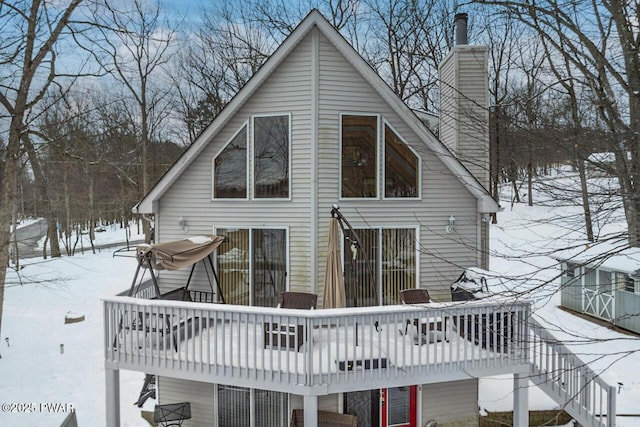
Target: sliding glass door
252,265
385,264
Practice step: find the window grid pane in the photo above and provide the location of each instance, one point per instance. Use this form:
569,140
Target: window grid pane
400,167
271,408
234,407
398,406
398,263
269,266
230,169
271,157
360,274
359,156
233,266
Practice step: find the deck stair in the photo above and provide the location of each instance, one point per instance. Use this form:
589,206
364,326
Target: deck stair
569,381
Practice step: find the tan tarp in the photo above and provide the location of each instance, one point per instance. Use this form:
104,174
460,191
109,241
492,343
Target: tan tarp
334,293
177,254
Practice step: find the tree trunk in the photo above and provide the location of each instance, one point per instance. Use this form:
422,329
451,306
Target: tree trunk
67,209
44,195
8,198
585,200
92,225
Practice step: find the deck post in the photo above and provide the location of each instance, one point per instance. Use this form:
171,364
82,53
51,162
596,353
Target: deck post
311,411
112,377
611,406
520,400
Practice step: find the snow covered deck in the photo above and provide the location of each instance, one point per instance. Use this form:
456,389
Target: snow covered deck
316,351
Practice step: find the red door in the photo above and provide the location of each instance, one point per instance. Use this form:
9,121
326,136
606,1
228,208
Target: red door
398,407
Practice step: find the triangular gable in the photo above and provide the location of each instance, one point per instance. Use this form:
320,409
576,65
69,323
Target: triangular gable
315,19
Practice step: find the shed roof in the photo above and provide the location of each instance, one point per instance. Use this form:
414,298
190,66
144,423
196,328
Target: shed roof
613,256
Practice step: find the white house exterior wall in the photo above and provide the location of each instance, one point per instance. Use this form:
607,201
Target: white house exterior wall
200,396
190,196
452,404
342,90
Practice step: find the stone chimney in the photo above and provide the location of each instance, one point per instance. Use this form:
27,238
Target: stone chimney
464,102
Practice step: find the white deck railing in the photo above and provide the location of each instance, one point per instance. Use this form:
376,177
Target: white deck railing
328,351
321,351
571,382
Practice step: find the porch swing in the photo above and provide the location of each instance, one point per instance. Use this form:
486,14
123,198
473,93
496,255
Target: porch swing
176,255
173,255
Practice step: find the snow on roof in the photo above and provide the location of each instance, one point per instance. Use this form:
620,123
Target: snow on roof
604,255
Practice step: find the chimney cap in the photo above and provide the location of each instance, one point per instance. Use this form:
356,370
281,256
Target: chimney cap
460,25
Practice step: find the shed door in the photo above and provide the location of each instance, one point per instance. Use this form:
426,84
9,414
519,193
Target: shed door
598,295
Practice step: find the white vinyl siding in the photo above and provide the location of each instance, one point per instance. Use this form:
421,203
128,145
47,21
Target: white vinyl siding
340,90
284,92
200,395
305,214
442,255
464,118
452,403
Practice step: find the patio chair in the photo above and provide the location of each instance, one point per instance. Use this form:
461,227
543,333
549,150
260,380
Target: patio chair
423,326
172,414
289,336
325,419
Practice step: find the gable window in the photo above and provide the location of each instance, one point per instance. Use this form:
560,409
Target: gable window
359,156
269,168
252,265
400,167
230,169
271,157
387,258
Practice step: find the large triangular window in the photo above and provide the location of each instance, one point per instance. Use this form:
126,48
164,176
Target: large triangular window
401,167
230,169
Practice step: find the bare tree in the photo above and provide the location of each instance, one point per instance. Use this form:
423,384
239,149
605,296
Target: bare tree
31,31
599,41
503,39
224,52
134,46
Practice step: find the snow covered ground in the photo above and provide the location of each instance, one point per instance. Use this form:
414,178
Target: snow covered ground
45,361
522,245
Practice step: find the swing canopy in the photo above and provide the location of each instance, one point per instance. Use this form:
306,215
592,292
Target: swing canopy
177,254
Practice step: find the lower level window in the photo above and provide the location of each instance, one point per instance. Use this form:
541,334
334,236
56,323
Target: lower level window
238,405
